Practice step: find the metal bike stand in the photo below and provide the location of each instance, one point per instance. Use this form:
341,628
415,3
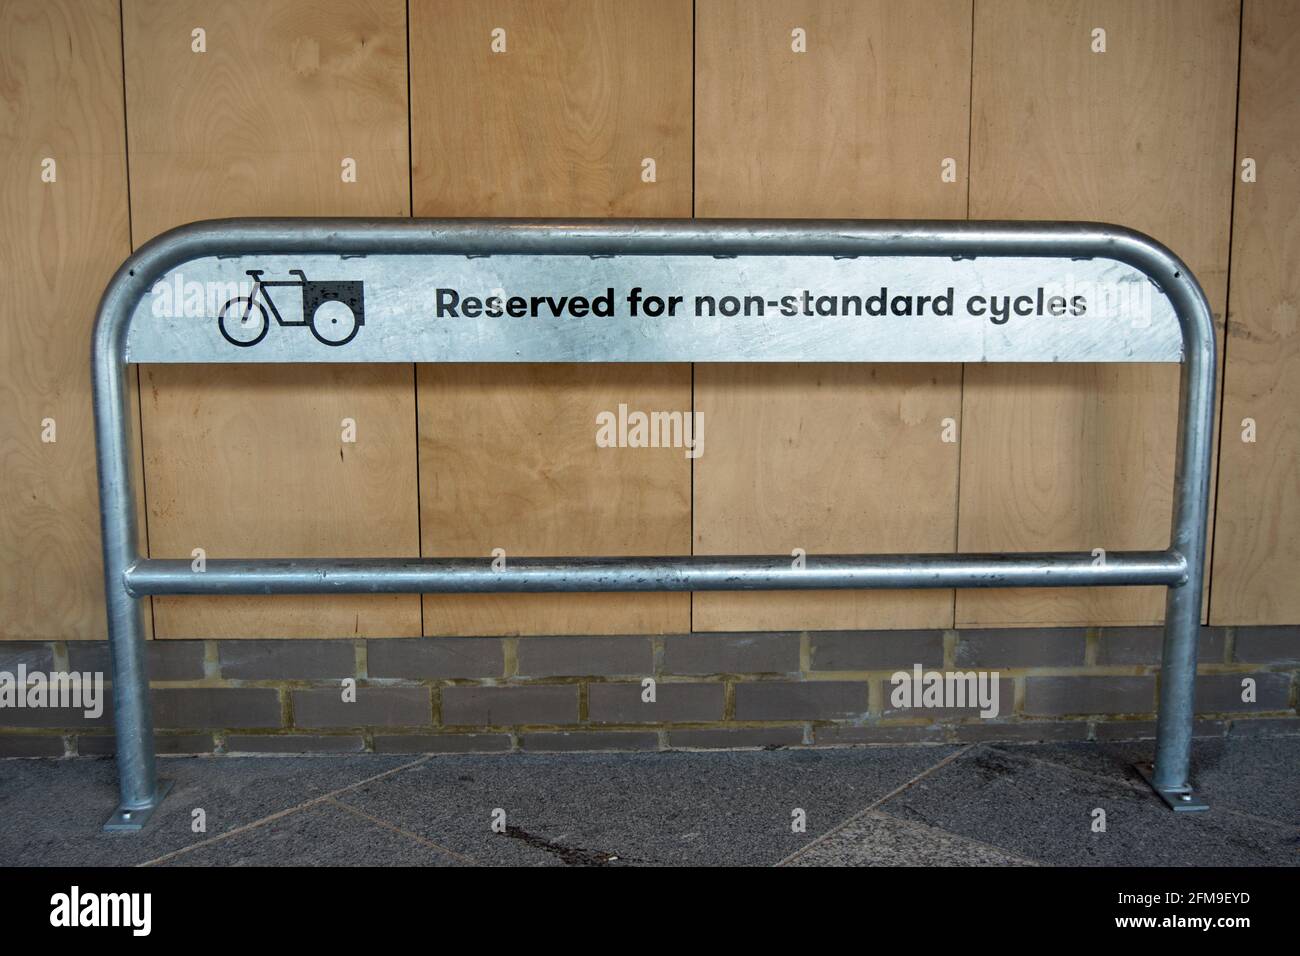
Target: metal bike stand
404,262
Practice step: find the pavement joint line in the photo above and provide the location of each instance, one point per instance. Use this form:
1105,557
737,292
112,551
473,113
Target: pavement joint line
1139,785
871,806
1246,815
283,813
931,828
378,821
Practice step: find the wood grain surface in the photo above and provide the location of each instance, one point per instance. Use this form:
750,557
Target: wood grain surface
556,125
1257,531
1081,457
251,461
60,100
847,458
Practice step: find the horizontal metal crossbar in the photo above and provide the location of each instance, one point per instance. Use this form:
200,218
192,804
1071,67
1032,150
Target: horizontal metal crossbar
686,573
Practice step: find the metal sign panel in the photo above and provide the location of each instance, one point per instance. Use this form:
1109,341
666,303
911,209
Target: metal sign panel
652,308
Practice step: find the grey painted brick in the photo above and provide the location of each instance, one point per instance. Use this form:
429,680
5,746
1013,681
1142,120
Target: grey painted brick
577,741
435,657
94,656
442,743
179,743
1221,693
1265,726
186,708
729,738
66,717
1268,645
175,660
1022,731
320,707
1141,645
699,654
105,745
876,650
1051,696
1021,647
31,745
168,660
621,703
1146,729
801,700
844,735
30,654
51,718
584,656
287,660
294,744
1006,696
510,705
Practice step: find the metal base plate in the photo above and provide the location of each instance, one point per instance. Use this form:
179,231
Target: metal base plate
131,820
1180,801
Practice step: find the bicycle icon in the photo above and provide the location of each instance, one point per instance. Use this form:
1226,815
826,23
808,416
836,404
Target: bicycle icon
334,311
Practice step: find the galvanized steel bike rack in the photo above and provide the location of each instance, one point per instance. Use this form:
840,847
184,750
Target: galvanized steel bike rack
683,254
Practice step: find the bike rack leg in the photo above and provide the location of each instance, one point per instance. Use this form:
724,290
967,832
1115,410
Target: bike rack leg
1170,775
132,711
141,791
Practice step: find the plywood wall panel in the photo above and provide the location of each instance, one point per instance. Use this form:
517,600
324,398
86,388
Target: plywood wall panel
260,124
824,458
1257,534
60,99
828,458
252,461
833,459
1081,457
557,125
560,123
509,460
321,496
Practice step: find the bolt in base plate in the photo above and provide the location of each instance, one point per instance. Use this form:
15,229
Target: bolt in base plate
132,819
1180,801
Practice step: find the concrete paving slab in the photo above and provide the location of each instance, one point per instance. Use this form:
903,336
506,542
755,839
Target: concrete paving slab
52,810
320,835
650,808
989,805
876,839
1045,812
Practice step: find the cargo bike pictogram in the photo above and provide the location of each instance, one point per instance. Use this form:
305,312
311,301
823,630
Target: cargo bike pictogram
334,310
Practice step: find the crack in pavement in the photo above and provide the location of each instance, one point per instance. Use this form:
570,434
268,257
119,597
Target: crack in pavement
569,855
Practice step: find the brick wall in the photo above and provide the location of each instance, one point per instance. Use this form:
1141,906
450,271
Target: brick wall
489,694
